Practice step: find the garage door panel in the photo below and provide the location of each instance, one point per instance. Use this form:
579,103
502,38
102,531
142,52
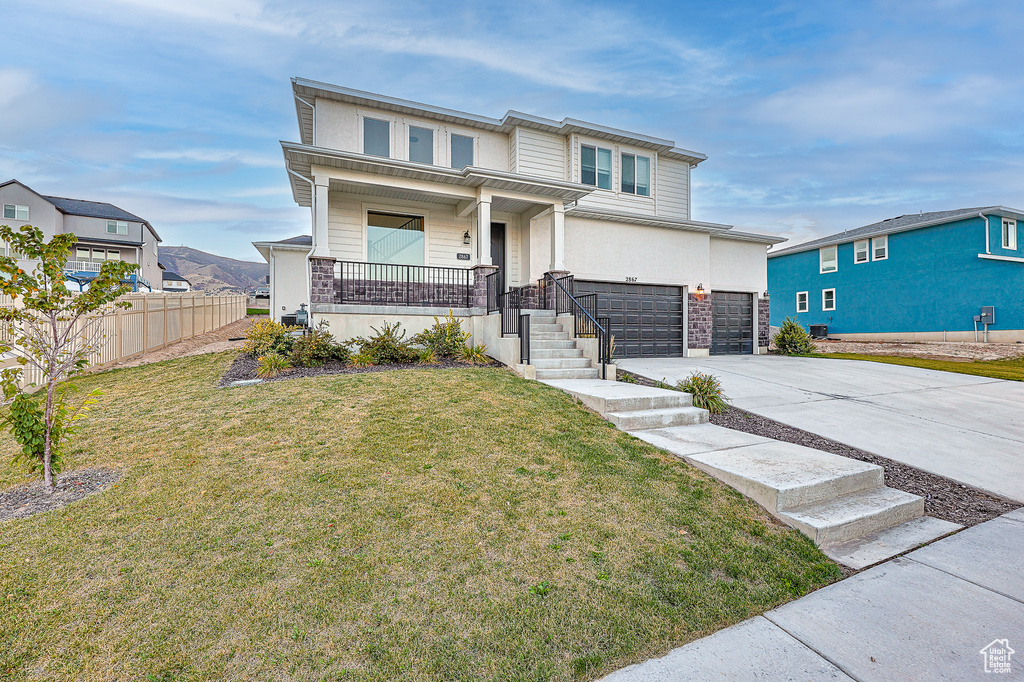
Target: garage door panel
646,319
732,323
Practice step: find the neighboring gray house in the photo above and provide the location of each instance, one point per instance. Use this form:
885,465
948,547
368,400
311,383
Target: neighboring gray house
105,232
176,283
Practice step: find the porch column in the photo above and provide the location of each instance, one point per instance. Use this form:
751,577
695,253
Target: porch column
483,229
321,248
557,238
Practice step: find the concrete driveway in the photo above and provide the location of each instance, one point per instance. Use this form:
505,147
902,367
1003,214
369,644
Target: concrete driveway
967,428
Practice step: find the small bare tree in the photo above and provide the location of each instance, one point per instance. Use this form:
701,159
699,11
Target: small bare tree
53,331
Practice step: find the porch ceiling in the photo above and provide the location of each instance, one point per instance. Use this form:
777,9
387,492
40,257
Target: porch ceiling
393,193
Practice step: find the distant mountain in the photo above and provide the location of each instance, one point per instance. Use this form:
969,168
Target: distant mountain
213,273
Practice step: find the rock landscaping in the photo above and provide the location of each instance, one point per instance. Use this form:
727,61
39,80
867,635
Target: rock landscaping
33,498
964,352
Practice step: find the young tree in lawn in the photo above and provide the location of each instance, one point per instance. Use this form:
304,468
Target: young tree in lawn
54,331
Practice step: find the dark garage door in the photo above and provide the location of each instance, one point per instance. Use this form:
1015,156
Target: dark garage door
646,320
732,328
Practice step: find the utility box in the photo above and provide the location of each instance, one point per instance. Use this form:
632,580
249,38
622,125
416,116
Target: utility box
819,331
988,314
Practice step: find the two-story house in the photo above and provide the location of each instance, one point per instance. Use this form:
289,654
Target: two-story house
416,209
104,231
940,276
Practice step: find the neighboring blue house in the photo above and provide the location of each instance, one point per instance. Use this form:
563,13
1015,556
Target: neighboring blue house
916,277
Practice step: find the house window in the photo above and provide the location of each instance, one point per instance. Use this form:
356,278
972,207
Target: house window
828,299
462,151
860,251
15,212
636,175
117,227
394,239
113,254
376,137
801,301
596,166
421,145
829,261
1009,234
82,253
880,246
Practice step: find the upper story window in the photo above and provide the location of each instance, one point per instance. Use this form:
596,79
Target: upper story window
376,137
801,301
1009,234
394,239
596,166
117,227
15,212
421,145
828,259
860,251
636,175
462,151
880,247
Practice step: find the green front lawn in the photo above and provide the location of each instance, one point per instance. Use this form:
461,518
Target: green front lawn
257,311
997,369
418,524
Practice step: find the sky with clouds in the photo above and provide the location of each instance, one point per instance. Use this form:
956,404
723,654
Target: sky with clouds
816,117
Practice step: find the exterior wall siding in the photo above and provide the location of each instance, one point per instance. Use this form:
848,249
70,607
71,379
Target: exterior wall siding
540,154
672,189
932,281
737,266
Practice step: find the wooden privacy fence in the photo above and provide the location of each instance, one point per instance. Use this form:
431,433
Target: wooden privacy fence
155,321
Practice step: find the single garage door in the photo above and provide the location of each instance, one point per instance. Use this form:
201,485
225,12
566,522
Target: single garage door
732,327
646,320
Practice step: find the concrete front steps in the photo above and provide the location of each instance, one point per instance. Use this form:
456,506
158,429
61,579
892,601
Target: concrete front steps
840,503
553,350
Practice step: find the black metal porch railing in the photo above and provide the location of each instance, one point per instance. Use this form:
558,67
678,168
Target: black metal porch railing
493,291
406,285
514,321
586,324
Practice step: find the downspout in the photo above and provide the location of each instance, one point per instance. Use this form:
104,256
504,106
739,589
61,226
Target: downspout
988,249
271,299
314,116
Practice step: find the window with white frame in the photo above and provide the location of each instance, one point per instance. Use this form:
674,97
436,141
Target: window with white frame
801,301
861,251
828,299
828,259
596,166
394,239
376,137
636,175
462,151
1009,234
421,145
880,247
15,212
117,227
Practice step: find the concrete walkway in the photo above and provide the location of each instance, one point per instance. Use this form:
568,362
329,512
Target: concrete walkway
924,616
967,428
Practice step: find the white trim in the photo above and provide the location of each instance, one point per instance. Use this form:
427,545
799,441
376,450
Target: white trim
823,292
394,151
461,132
874,247
821,259
436,134
807,301
1009,259
866,251
1008,234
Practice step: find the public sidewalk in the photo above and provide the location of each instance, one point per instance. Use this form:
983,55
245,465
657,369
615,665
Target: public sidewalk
924,616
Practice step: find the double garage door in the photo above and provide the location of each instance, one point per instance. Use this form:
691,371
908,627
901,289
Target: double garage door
647,320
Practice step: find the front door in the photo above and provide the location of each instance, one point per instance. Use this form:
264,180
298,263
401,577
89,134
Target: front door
498,252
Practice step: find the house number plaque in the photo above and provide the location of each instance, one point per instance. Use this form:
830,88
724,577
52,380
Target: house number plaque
462,256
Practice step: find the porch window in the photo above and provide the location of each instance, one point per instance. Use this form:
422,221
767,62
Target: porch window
828,259
82,254
421,145
636,175
113,254
15,212
394,239
462,151
376,137
596,166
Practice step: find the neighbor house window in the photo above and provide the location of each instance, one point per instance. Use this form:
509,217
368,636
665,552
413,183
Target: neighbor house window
828,259
828,299
880,246
801,301
117,227
1009,234
394,239
636,175
82,253
860,251
15,212
113,254
376,137
421,145
596,166
462,151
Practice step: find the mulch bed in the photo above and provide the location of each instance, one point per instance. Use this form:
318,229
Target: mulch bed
244,369
33,498
944,498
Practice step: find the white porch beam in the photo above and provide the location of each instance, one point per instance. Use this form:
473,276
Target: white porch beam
558,238
321,247
483,231
409,184
464,208
536,212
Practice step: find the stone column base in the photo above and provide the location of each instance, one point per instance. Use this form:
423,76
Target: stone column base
321,281
698,324
549,289
478,297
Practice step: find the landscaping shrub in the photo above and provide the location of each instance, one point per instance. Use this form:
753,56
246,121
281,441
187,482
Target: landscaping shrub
792,339
706,390
427,356
271,364
266,335
387,346
315,347
445,338
475,355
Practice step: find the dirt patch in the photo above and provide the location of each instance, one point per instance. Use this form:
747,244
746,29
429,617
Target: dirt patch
931,350
944,498
33,498
244,369
211,342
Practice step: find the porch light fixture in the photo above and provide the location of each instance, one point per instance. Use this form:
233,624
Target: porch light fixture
700,292
466,238
765,294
